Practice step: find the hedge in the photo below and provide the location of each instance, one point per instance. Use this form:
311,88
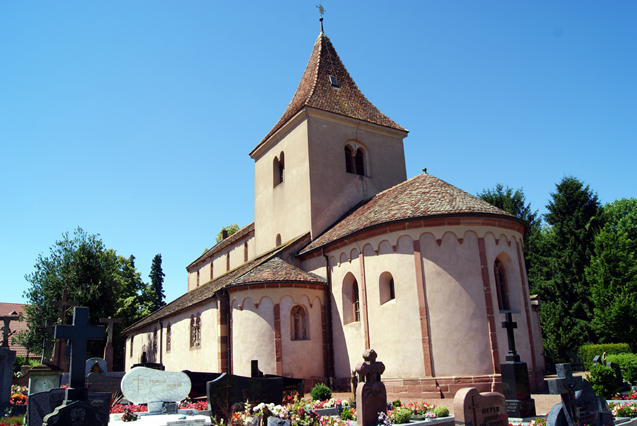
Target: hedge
588,352
627,364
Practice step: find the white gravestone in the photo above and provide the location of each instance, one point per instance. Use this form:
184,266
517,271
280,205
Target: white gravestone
143,385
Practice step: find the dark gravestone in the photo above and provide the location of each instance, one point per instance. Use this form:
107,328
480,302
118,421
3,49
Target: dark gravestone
96,382
290,385
41,404
255,373
515,378
198,380
619,379
371,395
580,406
7,359
228,389
596,359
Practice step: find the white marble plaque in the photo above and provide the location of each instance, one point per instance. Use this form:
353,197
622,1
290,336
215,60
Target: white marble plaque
142,385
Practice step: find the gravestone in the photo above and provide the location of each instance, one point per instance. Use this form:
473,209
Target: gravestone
143,385
96,382
7,359
290,384
619,379
472,408
89,366
580,406
198,381
47,332
255,373
515,378
41,404
228,389
76,408
371,396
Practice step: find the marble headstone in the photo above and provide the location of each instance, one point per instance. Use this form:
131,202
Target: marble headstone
143,385
91,362
472,408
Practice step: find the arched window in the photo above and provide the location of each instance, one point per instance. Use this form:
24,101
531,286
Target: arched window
501,286
212,269
168,337
197,278
386,290
132,339
278,169
278,240
299,326
349,160
228,261
155,341
195,331
360,162
245,251
356,305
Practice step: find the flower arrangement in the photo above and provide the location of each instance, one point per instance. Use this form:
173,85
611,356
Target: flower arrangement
129,415
133,408
19,389
18,399
631,396
538,421
189,405
623,410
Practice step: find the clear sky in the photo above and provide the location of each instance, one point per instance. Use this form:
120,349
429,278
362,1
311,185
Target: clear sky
134,119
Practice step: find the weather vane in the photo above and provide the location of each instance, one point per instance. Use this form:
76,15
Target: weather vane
322,12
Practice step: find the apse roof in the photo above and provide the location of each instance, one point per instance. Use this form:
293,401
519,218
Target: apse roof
326,85
421,196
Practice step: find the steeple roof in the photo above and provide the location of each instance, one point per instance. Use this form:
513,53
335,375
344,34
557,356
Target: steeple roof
317,90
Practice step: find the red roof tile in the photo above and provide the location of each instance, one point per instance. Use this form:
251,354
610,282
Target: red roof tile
420,196
277,270
315,90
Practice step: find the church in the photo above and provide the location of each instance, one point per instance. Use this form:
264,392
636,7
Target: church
345,253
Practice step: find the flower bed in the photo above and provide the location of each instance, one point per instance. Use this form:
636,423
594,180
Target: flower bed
623,410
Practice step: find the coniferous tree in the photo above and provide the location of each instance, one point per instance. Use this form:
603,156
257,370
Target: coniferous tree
157,282
558,273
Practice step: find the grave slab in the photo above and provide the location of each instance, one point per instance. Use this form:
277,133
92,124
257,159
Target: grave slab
143,385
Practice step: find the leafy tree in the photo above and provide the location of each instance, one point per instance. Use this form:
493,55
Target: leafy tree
514,202
231,229
613,274
558,274
94,276
157,282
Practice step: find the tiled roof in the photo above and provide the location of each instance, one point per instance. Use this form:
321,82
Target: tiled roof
6,309
225,243
277,270
234,277
421,196
315,90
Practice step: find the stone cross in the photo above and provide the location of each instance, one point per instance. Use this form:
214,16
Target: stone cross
565,385
46,343
510,326
79,333
6,331
59,357
371,396
108,349
64,305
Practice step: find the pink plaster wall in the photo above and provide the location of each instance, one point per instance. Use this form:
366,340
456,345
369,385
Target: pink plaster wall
252,334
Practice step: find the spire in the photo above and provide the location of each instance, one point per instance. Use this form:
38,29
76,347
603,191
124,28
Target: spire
326,85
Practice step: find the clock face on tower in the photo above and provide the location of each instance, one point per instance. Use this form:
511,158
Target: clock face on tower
43,385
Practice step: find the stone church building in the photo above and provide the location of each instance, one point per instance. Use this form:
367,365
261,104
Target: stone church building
345,253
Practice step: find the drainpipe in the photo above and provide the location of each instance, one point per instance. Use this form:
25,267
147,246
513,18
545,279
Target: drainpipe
161,342
328,314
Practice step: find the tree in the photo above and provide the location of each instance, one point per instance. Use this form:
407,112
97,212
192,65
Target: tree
613,274
231,229
515,203
558,274
94,276
157,282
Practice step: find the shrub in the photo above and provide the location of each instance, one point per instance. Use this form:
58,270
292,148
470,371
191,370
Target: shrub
347,414
440,411
588,352
321,392
402,415
602,379
627,364
396,403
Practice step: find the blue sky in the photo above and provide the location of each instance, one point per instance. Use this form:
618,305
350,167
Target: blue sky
134,119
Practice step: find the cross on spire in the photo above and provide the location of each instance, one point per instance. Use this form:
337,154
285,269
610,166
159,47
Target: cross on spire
79,333
322,12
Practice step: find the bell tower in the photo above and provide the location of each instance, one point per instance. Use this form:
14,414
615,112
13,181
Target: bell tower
331,150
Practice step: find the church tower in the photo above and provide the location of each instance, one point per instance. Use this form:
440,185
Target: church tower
331,150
